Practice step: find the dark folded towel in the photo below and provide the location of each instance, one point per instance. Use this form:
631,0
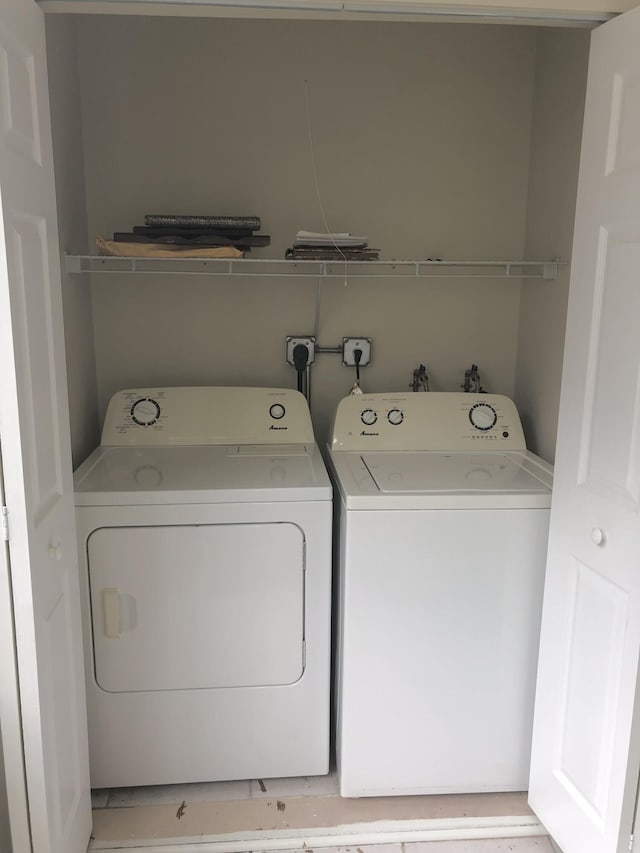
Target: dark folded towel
203,241
176,231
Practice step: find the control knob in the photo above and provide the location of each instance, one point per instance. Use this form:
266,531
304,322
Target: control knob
369,417
395,417
483,416
277,411
145,411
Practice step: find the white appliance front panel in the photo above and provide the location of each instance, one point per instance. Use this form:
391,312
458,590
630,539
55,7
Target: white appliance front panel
451,472
197,606
438,631
169,736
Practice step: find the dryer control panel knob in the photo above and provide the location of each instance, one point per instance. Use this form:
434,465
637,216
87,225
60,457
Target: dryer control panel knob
395,417
369,417
277,411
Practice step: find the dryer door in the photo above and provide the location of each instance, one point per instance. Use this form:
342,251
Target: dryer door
197,606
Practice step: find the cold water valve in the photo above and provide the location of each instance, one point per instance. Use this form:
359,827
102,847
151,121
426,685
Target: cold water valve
420,379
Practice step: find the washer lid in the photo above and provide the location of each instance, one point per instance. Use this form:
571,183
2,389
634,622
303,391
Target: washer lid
216,474
450,472
430,479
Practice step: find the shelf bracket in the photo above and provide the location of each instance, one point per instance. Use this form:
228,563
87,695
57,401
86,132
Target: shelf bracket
73,264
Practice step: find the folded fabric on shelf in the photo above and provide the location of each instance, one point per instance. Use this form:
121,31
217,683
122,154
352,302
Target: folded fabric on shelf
154,250
201,240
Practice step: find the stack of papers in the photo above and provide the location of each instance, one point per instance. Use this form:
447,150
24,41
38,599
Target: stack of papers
324,246
316,238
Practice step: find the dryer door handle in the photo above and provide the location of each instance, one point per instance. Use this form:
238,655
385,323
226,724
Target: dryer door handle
111,611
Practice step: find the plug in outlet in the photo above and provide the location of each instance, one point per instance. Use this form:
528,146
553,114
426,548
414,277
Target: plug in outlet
350,345
292,342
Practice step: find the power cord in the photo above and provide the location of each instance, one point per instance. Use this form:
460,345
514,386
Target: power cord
357,357
300,361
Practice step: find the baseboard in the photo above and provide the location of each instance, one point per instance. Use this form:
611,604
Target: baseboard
387,832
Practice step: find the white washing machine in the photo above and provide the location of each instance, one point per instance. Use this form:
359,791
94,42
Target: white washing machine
204,525
442,521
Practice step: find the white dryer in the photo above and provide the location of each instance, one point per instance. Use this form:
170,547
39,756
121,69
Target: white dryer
442,524
204,525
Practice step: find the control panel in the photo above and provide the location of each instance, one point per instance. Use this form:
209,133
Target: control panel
429,421
207,415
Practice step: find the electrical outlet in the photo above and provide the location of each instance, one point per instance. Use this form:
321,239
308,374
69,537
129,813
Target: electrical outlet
350,345
292,342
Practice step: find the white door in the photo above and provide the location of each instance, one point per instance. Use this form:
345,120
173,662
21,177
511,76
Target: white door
35,449
586,741
15,829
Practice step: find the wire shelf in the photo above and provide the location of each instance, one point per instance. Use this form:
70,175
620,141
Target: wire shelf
272,267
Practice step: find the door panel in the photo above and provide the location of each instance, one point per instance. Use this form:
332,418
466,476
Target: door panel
596,626
585,747
197,606
19,115
36,449
610,431
623,153
33,321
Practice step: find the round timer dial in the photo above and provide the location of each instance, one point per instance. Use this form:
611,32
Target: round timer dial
483,416
395,417
145,411
369,417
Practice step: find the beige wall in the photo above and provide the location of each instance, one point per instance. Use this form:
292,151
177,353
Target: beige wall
421,137
561,65
72,223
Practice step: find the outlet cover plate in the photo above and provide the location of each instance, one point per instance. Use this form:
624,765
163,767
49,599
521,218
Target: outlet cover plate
292,342
350,345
